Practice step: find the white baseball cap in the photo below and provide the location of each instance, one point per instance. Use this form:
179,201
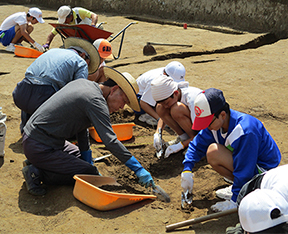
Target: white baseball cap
63,12
262,209
175,70
36,13
162,87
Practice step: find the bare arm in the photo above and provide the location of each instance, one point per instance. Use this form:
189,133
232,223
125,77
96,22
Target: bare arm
50,38
94,18
25,34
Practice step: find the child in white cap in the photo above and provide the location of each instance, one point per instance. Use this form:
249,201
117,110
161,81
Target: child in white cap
263,203
175,106
175,70
236,145
18,27
72,16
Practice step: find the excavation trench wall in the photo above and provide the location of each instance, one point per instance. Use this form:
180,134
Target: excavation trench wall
258,16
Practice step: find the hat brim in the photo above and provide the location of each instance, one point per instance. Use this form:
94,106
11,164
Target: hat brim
89,48
125,85
202,123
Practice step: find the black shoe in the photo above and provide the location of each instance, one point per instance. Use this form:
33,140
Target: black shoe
26,162
33,181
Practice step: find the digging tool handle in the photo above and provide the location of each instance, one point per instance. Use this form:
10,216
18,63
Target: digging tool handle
200,219
164,44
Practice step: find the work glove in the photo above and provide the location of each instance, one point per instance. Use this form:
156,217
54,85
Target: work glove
145,178
87,156
187,181
38,46
46,46
224,205
173,149
157,141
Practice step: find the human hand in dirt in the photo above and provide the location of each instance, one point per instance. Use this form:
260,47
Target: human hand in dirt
173,149
145,178
38,46
187,181
157,141
46,46
224,205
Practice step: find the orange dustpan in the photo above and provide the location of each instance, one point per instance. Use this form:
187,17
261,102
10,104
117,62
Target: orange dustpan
22,51
86,190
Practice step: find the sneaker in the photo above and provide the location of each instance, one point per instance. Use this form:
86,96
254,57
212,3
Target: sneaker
151,121
143,118
235,230
10,47
225,193
33,180
227,180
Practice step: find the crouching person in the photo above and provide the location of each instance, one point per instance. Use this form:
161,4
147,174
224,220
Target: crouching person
69,112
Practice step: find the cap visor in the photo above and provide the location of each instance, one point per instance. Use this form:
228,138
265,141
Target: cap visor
107,57
202,123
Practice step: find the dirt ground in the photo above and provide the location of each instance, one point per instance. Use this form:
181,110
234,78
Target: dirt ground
253,81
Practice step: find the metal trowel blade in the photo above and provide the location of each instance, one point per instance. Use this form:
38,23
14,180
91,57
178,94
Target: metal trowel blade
161,194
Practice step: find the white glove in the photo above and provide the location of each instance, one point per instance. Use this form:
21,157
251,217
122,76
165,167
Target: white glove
38,46
157,141
224,205
173,149
187,181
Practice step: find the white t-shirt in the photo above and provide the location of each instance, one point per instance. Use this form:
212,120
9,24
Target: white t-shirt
188,96
144,83
14,19
276,180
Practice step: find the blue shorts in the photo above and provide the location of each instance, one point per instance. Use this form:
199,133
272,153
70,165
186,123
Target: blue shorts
8,36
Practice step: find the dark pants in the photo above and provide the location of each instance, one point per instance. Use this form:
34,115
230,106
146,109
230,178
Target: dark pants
28,97
56,166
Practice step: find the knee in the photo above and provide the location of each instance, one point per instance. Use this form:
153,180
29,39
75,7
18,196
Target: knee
212,153
30,28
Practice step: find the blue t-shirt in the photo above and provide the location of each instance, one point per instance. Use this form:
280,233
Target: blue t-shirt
57,67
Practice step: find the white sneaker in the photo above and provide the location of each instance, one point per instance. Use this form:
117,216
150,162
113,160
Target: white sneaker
227,180
10,47
225,193
143,117
151,121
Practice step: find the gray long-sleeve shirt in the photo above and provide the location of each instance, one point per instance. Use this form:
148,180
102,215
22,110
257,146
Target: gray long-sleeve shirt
70,112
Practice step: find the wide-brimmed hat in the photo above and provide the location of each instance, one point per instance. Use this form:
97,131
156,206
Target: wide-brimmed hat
89,48
127,83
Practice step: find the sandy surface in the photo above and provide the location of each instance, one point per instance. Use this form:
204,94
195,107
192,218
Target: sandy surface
253,80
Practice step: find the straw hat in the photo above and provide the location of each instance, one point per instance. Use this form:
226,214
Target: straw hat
127,83
89,48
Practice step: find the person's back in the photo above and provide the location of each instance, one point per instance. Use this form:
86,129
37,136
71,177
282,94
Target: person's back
61,66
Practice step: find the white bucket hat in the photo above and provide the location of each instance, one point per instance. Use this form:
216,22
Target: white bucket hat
163,87
127,83
63,12
89,48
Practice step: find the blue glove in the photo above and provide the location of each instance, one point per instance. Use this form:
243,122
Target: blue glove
46,46
145,178
87,156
